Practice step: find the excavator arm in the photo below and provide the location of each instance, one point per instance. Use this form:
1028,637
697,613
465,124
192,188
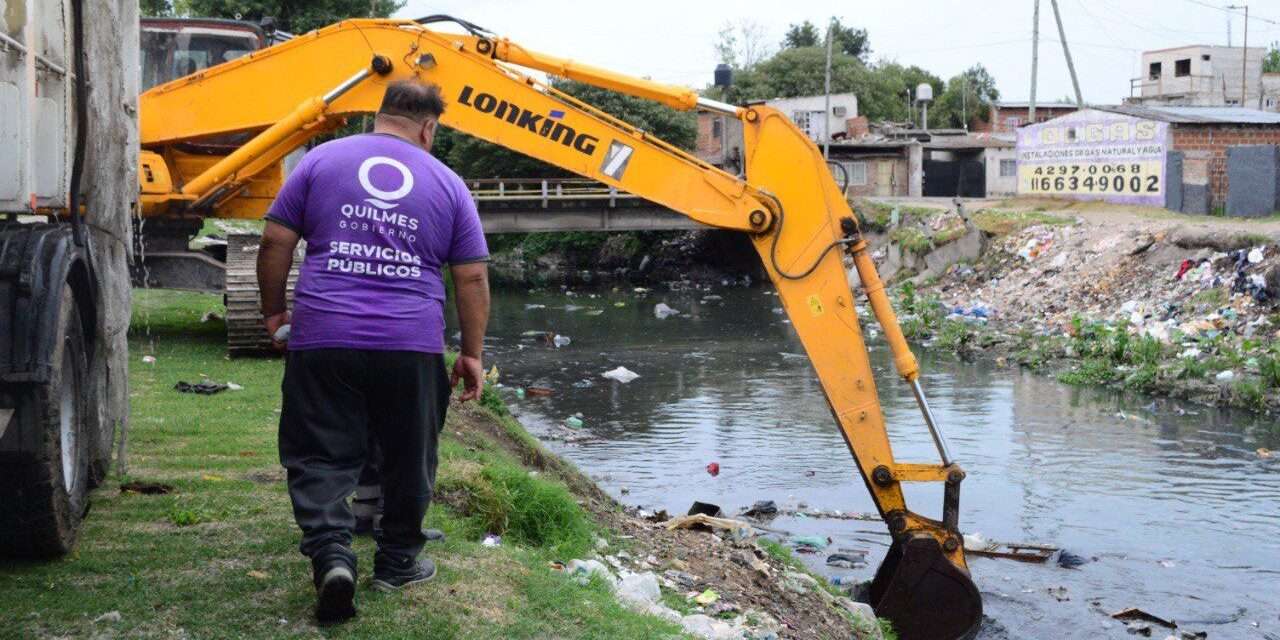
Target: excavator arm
796,216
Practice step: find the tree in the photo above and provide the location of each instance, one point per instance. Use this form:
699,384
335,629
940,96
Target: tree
850,41
474,158
1271,61
802,35
298,16
889,89
156,8
968,96
795,72
741,45
846,40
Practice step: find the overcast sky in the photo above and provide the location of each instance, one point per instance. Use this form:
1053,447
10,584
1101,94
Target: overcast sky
671,41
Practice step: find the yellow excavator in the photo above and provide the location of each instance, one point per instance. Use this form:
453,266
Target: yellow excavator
213,143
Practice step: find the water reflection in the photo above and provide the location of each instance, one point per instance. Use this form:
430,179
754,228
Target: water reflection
1179,510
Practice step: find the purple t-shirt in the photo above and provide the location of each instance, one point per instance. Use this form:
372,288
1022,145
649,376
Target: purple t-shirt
381,217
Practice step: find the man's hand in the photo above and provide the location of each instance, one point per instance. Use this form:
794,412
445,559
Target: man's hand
471,372
274,322
275,257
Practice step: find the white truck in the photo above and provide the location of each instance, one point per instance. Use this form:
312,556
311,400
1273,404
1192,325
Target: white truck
68,189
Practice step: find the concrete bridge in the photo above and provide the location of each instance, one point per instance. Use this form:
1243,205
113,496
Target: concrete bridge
567,204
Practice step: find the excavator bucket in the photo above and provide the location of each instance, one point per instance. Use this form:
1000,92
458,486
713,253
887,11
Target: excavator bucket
924,594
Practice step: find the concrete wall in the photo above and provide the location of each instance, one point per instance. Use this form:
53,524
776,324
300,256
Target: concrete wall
1204,148
1212,82
998,185
792,106
885,175
1270,92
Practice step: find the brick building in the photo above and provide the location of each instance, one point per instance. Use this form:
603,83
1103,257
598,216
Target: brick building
1006,117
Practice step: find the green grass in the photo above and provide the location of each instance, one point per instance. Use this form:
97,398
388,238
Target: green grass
878,216
1003,222
218,557
911,239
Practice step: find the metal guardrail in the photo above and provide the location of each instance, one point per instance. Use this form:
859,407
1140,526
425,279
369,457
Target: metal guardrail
544,191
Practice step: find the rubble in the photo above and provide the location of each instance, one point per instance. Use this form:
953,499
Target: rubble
1207,298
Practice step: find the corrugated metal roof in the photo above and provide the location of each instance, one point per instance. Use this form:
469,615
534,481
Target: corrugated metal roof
1195,115
968,142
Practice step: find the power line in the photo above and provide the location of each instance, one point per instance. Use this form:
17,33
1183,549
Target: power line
1226,10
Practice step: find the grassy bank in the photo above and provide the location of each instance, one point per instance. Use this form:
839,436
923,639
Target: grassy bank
217,557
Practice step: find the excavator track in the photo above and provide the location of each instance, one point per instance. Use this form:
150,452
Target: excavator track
246,335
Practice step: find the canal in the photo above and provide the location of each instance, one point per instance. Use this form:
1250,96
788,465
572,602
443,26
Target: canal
1171,506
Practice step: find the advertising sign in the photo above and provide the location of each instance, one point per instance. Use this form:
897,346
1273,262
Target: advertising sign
1094,155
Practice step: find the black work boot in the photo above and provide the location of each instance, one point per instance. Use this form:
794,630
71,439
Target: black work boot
393,573
334,573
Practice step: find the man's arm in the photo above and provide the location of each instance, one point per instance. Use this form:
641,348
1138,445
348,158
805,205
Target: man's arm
275,258
471,291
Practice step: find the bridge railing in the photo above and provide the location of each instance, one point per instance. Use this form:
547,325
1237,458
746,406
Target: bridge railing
544,191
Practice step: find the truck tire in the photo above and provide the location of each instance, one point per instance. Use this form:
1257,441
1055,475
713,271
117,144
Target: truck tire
44,493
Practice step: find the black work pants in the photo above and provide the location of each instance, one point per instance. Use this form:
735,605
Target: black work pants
335,402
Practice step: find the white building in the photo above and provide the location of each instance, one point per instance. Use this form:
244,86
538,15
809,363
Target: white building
1270,92
807,113
1199,75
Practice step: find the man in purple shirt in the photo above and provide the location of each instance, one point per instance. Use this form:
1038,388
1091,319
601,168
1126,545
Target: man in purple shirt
382,218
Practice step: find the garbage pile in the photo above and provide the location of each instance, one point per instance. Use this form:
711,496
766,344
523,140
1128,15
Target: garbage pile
709,575
1044,276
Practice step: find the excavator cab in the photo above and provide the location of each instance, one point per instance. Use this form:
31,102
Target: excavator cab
172,48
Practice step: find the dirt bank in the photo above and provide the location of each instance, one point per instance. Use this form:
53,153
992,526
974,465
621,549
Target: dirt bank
759,590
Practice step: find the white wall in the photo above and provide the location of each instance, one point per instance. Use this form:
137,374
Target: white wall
814,106
998,185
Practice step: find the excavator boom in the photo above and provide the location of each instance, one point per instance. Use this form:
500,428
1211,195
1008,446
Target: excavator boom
796,216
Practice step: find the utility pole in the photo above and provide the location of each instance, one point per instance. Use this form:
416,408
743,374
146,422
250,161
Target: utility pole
1035,59
1244,52
826,87
1066,51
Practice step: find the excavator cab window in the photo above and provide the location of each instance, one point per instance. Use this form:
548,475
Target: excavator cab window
171,49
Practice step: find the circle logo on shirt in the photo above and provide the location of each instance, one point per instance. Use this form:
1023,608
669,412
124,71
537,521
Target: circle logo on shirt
385,199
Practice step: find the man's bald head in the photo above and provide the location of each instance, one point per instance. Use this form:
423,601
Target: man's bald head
410,109
412,99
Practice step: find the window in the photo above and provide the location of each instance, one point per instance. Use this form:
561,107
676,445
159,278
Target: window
1205,57
1008,168
1154,71
716,126
810,122
857,174
1182,68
